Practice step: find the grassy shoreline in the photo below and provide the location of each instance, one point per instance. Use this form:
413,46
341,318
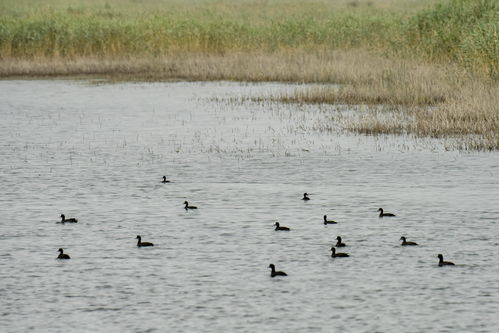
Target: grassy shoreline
435,61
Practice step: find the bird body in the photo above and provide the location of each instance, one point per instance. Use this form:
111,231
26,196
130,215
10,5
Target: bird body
62,255
142,244
339,243
330,221
305,197
382,214
279,228
406,243
274,273
189,207
70,220
334,254
441,261
165,180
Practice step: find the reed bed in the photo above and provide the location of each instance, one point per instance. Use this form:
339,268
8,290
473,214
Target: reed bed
436,61
428,100
457,31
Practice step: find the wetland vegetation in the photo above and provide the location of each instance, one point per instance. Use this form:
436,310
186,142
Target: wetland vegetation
432,63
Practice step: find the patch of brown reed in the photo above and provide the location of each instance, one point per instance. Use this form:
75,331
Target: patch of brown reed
472,114
366,78
284,66
420,98
427,100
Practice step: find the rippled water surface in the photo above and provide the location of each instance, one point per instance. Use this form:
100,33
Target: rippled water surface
98,152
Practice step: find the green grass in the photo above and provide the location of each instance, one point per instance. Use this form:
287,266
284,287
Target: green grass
461,31
76,34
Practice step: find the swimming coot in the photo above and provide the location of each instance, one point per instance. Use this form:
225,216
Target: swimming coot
441,261
279,228
381,214
339,243
189,207
305,197
70,220
339,254
330,221
62,255
406,243
141,244
276,273
164,180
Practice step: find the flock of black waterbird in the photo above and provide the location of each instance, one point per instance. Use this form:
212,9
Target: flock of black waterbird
278,227
339,242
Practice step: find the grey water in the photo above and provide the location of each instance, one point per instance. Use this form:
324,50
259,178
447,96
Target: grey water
98,152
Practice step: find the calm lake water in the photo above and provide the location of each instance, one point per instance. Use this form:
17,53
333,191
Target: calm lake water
98,153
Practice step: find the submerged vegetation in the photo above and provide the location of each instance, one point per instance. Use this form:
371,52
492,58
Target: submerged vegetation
435,60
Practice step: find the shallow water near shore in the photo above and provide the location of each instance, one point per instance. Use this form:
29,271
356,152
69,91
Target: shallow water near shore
98,153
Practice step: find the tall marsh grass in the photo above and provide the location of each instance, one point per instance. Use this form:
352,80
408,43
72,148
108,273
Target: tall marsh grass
462,31
430,103
76,35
